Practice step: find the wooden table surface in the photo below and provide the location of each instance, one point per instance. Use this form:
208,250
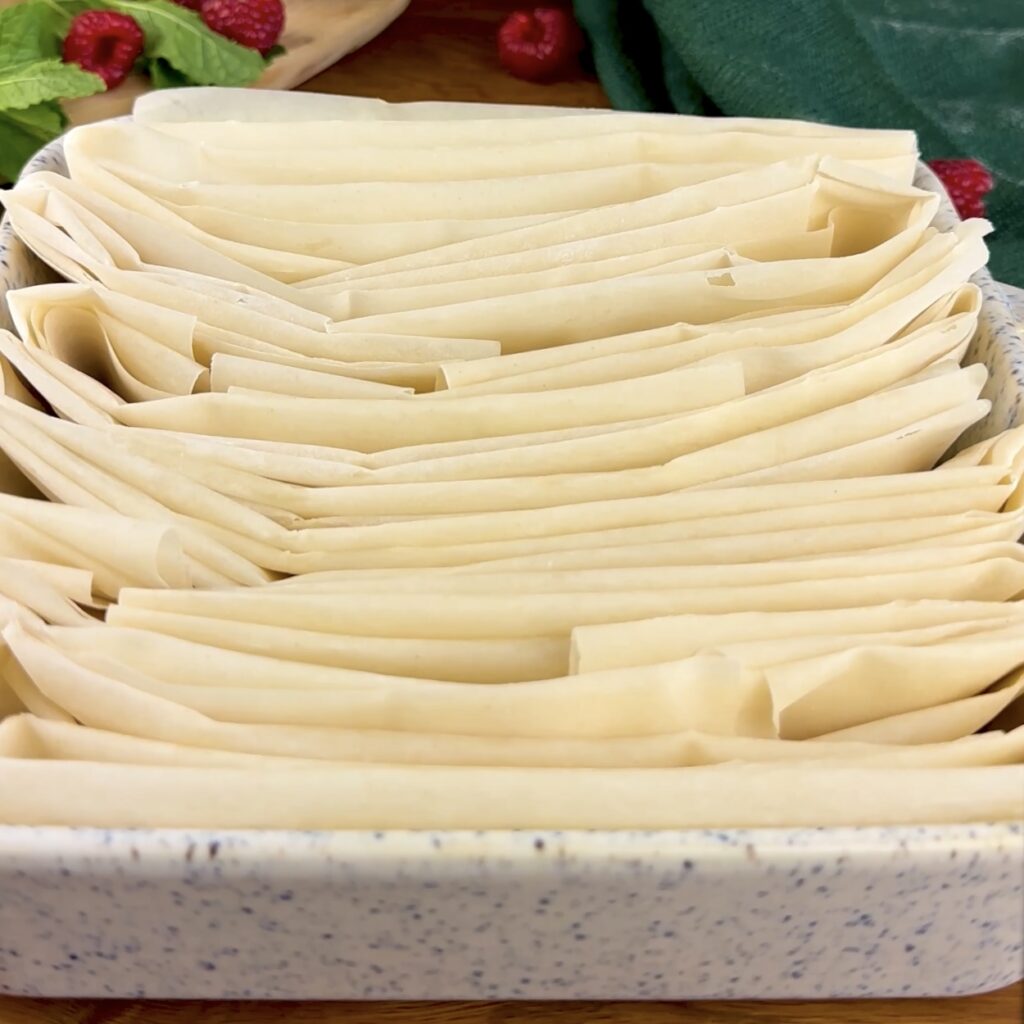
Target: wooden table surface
444,49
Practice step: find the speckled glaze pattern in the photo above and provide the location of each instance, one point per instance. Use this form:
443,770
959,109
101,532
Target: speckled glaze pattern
457,915
769,914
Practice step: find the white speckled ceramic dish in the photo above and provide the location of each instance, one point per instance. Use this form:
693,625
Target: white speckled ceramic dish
772,914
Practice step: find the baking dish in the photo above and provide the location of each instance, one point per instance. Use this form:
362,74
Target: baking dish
774,913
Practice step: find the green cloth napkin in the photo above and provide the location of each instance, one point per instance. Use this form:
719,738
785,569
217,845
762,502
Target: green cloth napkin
953,70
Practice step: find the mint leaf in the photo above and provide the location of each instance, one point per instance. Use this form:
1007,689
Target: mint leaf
63,11
28,31
22,132
163,76
31,82
178,36
16,146
44,120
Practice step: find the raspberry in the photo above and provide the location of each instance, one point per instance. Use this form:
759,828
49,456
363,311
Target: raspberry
253,23
192,5
105,43
540,44
967,182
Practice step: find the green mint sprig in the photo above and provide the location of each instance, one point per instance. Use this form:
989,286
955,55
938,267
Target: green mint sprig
179,37
22,132
39,81
180,50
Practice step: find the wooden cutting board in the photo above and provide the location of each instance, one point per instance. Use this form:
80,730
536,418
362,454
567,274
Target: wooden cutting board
317,34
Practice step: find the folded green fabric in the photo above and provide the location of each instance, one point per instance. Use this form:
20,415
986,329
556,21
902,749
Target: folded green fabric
950,69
